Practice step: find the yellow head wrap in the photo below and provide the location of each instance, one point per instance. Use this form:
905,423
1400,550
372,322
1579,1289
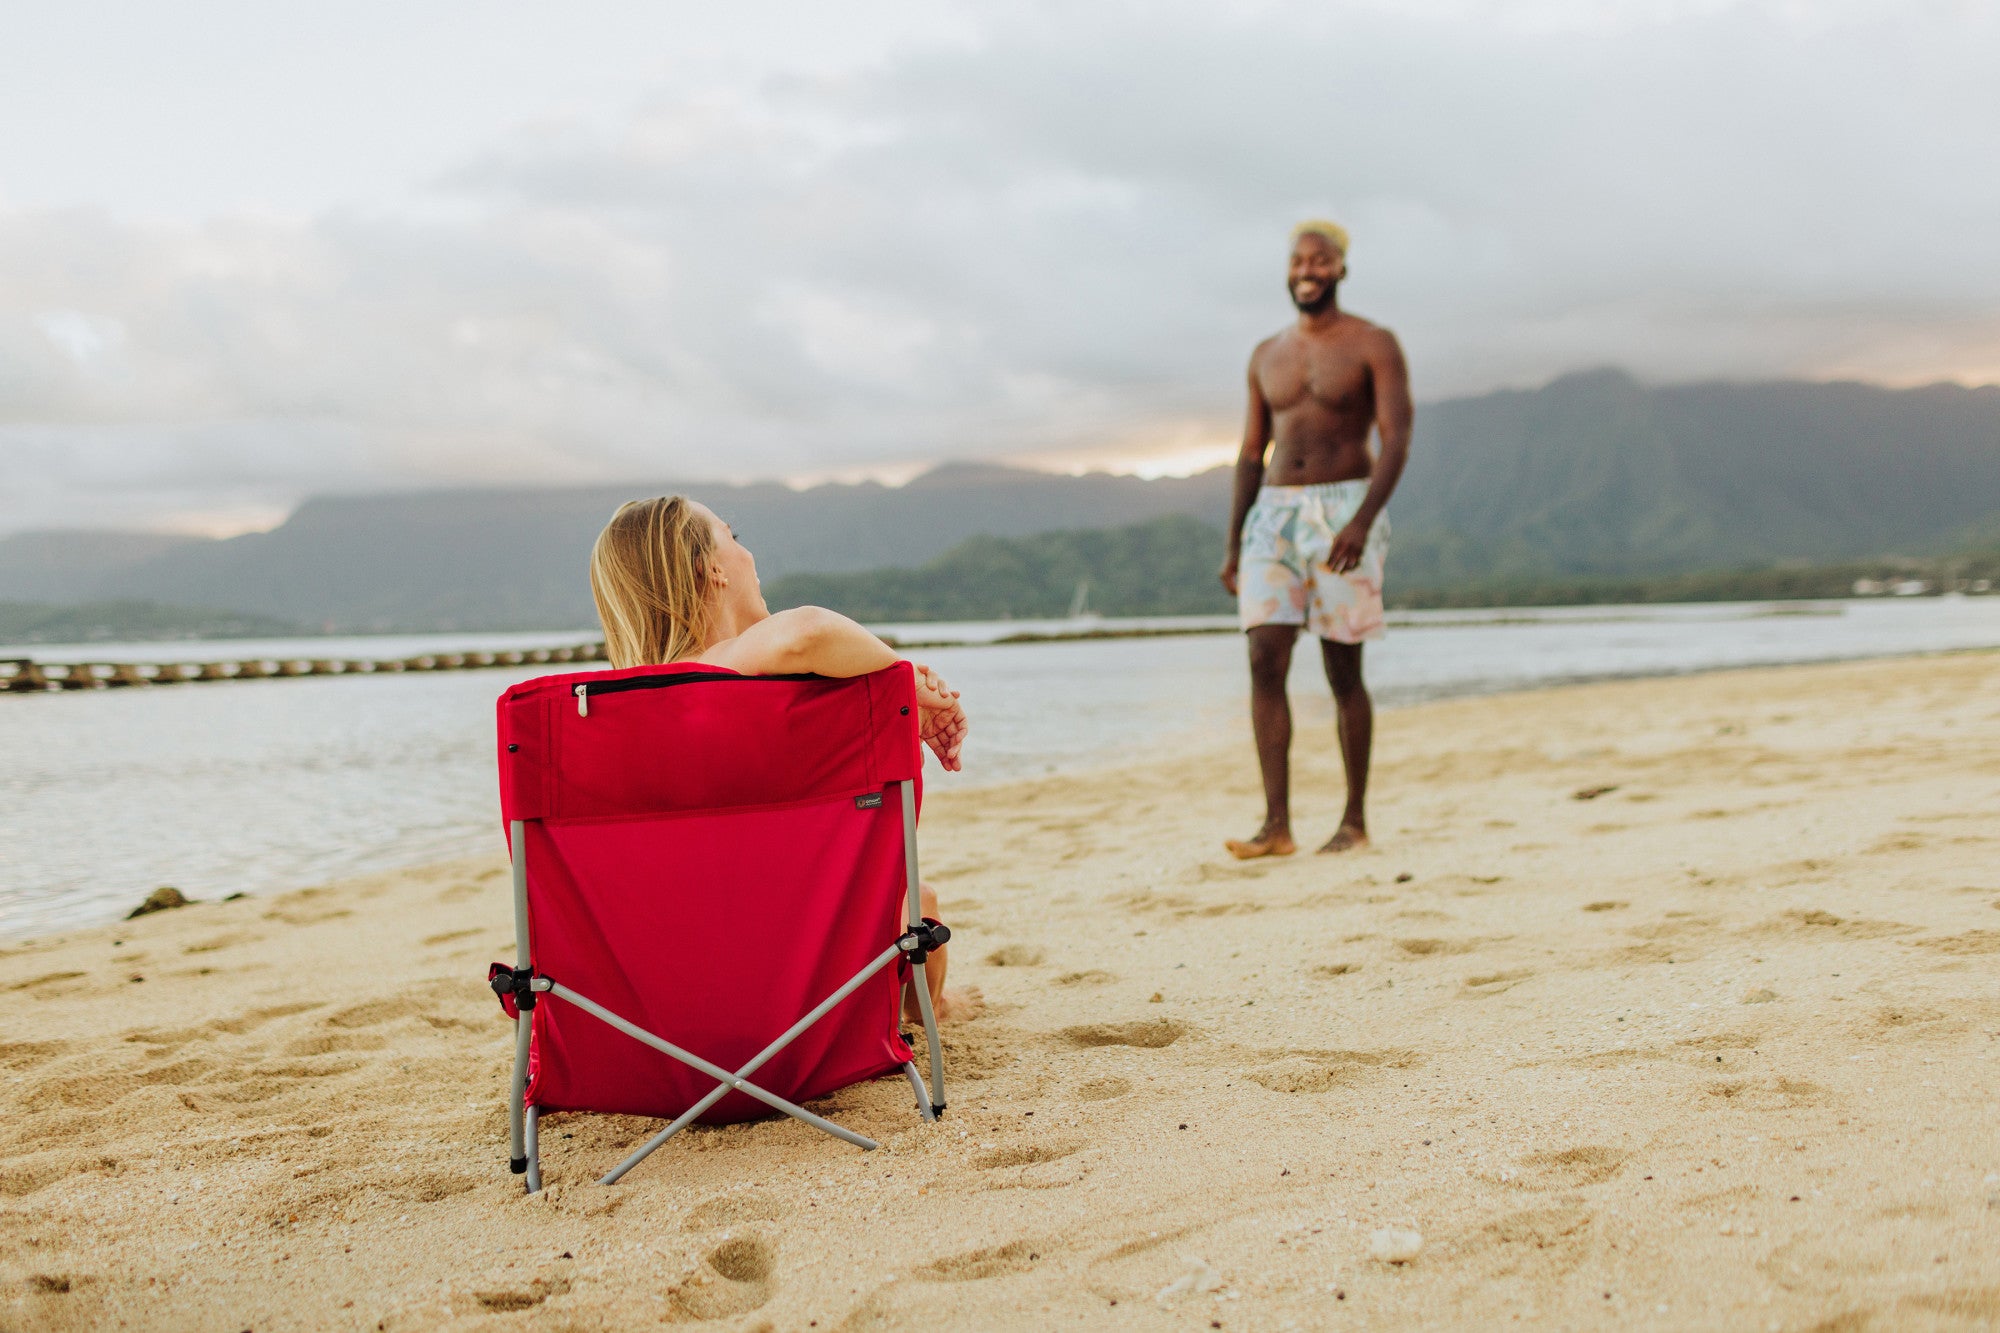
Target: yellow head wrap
1332,231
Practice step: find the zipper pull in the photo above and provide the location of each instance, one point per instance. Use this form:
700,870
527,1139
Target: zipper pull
583,701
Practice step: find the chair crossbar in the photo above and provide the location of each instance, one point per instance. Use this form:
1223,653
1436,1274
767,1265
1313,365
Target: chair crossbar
714,1071
791,1034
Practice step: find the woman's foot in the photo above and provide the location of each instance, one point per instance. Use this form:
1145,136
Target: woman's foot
952,1006
1271,840
956,1006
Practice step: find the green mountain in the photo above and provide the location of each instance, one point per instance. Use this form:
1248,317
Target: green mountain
1593,477
1168,566
1163,568
1597,475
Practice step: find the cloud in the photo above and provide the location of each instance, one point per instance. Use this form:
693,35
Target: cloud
1061,234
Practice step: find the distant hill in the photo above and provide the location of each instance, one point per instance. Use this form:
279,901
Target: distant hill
1168,567
71,565
1163,568
1591,477
1595,474
130,621
517,558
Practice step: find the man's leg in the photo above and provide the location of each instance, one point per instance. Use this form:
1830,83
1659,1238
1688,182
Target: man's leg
1271,720
1354,717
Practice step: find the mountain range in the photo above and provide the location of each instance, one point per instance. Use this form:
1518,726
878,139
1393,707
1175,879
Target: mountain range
1592,476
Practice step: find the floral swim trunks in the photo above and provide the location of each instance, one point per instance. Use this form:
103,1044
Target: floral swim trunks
1282,573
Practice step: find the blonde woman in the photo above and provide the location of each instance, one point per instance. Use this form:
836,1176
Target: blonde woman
673,584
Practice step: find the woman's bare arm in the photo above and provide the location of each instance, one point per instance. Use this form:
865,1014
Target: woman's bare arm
803,639
813,640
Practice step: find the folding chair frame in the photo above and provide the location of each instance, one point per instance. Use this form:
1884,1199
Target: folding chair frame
526,987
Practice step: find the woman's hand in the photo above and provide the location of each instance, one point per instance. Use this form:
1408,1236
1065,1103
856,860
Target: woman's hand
941,721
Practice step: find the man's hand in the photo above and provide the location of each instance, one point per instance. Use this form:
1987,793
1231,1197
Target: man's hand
1229,574
1347,547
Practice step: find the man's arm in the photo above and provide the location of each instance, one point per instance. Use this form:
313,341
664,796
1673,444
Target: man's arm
1249,470
1394,415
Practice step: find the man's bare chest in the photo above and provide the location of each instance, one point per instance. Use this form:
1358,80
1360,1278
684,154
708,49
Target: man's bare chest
1332,376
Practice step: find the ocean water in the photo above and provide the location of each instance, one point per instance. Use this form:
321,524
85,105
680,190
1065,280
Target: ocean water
259,785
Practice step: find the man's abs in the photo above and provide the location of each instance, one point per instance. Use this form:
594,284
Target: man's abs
1315,454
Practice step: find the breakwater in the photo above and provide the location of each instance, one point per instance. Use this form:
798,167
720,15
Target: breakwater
25,675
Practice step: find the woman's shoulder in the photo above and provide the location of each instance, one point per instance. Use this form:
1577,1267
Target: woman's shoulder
768,646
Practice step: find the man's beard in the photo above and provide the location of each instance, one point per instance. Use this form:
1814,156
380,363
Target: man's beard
1321,302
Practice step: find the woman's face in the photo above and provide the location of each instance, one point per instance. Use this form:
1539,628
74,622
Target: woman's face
734,568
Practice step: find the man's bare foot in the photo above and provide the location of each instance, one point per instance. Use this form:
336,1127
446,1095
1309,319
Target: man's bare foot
1268,842
1347,838
956,1006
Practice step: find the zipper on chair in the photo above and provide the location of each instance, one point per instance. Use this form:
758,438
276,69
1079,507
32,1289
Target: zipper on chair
584,689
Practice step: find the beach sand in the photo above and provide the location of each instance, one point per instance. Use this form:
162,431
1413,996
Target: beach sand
1715,1048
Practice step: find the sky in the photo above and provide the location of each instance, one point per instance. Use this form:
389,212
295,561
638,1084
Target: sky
250,252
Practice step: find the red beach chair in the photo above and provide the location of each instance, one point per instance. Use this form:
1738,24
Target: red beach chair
713,875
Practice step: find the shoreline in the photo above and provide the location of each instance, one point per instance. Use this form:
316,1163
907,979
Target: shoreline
1718,1040
1310,712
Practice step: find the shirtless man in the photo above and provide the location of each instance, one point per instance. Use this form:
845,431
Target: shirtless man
1307,539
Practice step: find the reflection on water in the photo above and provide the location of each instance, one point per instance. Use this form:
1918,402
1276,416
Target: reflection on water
250,786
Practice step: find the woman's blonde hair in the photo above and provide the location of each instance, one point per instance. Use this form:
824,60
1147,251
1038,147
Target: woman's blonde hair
649,576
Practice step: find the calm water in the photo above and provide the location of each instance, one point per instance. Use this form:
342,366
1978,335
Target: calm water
228,787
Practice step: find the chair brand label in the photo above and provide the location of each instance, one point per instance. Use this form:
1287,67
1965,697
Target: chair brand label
872,801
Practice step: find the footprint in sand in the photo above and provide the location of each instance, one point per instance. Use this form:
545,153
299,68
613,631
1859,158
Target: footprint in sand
1103,1089
1038,1166
1493,983
524,1298
1322,1071
251,1019
373,1012
737,1276
329,1043
1813,921
229,939
307,916
1434,948
28,1054
1905,1017
50,984
1542,1238
1608,905
1149,1034
23,1174
732,1210
1328,971
1572,1168
431,1186
1016,1256
1774,1094
1093,977
1971,942
1025,1154
1015,955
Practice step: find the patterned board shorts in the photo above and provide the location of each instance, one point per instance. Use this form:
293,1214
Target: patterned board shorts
1282,573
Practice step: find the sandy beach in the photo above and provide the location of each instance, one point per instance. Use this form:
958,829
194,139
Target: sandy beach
1663,1004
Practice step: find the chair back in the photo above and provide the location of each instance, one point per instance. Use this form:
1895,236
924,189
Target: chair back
709,855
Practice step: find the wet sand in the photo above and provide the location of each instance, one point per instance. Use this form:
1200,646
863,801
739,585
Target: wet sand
1713,1048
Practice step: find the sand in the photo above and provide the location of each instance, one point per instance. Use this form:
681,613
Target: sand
1714,1048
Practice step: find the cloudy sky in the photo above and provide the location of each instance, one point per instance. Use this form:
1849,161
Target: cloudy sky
250,251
